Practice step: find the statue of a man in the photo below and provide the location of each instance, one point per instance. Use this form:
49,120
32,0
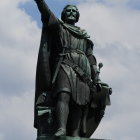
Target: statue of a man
66,66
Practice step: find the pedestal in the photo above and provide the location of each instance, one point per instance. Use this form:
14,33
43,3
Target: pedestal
65,138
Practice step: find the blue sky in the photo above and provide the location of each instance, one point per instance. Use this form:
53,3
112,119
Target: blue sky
30,8
114,28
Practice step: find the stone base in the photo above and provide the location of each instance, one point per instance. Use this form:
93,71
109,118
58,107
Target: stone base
65,138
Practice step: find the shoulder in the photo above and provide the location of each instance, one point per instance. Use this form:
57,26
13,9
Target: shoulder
90,43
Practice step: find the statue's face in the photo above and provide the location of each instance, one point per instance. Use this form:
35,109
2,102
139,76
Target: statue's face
70,15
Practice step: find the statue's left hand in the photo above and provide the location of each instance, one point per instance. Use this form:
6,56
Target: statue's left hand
41,99
98,87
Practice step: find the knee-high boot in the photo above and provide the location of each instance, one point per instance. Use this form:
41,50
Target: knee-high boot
62,111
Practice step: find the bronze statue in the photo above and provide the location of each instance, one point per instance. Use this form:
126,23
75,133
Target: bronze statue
70,98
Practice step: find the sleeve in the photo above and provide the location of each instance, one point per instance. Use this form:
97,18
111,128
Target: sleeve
89,53
47,16
92,60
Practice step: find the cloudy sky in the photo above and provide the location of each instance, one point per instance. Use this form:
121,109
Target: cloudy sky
114,26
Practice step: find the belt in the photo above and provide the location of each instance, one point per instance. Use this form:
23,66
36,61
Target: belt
81,73
74,50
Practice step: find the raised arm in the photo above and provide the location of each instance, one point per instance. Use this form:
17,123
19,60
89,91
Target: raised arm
44,10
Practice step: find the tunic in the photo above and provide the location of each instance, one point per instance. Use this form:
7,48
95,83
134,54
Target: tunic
67,80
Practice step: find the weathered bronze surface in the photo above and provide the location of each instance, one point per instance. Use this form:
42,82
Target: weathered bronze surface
70,98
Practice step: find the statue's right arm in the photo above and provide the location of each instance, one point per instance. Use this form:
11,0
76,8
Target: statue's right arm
44,9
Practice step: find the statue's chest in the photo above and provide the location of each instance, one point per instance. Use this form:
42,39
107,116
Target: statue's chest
73,42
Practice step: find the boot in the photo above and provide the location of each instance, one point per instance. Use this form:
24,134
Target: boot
62,111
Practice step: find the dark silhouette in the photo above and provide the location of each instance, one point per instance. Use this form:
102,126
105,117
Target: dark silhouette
70,98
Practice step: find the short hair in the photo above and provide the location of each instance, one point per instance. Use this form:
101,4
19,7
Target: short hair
64,12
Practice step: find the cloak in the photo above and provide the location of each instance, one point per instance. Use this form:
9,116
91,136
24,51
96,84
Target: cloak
43,73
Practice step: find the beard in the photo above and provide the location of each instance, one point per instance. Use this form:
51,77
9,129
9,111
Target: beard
70,18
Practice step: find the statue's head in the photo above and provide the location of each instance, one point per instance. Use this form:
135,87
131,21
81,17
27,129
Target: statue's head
70,14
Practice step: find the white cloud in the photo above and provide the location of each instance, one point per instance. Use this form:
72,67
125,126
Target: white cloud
19,42
16,119
111,24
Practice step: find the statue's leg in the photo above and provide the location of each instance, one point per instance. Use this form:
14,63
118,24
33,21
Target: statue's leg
62,111
74,122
